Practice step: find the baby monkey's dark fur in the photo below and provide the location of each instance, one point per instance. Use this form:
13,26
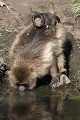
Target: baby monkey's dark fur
41,50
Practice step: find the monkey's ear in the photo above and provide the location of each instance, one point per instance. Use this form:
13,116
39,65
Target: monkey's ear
38,20
58,19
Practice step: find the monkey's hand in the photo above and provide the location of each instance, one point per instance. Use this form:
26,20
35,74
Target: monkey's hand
63,80
54,82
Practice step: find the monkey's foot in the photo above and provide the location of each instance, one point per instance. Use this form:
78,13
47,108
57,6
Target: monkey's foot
64,80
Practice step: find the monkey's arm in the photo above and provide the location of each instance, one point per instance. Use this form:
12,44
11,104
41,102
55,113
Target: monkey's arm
54,74
61,35
61,63
62,40
57,71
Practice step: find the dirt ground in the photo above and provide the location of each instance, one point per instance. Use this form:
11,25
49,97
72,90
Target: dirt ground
16,14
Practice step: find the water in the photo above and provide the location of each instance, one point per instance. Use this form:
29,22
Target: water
42,103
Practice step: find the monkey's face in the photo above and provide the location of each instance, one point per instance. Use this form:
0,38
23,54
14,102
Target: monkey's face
23,77
41,20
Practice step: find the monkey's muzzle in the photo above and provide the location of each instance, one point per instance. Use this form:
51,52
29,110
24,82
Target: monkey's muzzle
22,87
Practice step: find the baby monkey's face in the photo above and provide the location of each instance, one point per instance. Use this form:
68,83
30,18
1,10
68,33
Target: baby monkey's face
41,20
38,21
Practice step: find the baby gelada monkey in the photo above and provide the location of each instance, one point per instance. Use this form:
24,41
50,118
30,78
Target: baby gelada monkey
42,48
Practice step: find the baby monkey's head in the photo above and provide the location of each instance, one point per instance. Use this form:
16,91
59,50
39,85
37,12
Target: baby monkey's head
41,20
23,77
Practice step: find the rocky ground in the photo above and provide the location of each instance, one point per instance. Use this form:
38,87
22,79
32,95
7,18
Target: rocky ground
16,14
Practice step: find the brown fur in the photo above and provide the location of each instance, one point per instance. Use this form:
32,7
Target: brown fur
38,51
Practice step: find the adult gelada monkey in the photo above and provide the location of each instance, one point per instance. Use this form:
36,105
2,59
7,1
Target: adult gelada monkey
42,48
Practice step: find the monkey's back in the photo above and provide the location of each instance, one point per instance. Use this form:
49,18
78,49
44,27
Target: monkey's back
35,48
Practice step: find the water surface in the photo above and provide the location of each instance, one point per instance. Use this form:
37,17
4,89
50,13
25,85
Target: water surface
43,103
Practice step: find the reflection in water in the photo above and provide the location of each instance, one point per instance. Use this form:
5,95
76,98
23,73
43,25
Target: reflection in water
30,106
40,104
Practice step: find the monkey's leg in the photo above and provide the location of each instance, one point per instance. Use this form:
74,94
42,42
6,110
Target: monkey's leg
55,75
61,64
62,70
58,71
